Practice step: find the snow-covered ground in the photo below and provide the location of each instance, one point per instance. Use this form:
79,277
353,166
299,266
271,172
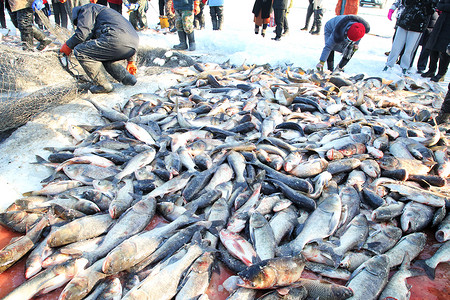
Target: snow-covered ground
236,42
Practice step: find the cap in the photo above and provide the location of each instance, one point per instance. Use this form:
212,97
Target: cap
356,32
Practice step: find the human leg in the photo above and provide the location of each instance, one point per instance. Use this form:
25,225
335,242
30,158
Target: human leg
278,13
219,10
214,17
432,65
25,25
309,12
397,46
411,42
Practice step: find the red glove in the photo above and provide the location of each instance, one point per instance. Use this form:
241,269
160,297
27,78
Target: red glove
196,7
131,68
204,1
65,49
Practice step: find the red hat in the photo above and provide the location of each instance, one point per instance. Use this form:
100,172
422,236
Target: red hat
356,32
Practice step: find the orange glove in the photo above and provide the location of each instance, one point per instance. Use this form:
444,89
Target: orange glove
65,49
131,68
196,7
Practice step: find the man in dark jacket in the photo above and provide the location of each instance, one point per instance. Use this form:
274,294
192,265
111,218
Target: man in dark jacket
437,43
342,34
279,11
102,38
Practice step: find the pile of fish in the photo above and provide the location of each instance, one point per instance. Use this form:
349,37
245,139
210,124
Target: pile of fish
267,171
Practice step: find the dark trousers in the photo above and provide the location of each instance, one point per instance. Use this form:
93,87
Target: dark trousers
161,5
102,2
216,13
24,21
116,7
61,13
2,14
443,59
330,62
280,17
309,13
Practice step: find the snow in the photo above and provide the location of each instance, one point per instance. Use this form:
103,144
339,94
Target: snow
237,43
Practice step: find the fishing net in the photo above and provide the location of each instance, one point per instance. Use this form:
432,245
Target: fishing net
30,82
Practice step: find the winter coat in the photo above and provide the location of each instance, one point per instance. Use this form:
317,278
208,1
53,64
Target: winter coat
429,29
94,21
183,4
350,8
263,6
415,15
16,5
280,4
440,36
216,2
336,33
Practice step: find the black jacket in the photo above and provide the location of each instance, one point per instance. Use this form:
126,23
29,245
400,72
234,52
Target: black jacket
96,21
440,36
280,4
263,6
416,14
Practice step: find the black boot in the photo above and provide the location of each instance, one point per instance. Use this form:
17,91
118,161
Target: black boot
119,73
429,73
182,45
214,24
304,28
42,38
191,39
94,69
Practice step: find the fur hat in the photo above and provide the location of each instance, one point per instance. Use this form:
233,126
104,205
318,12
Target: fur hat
356,32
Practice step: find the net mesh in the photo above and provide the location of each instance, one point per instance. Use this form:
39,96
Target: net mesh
30,82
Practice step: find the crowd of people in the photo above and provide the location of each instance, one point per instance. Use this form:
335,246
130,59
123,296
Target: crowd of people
103,36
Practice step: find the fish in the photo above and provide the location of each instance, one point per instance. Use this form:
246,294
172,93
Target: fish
383,239
323,289
443,232
430,264
48,280
275,272
262,236
369,280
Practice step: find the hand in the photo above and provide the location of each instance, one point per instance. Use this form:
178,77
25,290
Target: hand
196,7
355,47
131,68
391,11
319,66
37,5
65,49
134,6
62,1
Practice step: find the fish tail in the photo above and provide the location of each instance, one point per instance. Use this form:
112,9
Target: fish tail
431,272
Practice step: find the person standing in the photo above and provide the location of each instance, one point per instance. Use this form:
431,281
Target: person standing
309,12
279,9
137,10
437,43
216,12
347,7
425,52
261,11
21,13
318,14
103,38
443,116
116,5
60,12
342,34
184,22
410,25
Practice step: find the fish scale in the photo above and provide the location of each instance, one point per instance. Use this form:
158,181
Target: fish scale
249,110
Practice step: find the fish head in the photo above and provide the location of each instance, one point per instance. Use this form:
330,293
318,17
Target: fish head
258,276
341,292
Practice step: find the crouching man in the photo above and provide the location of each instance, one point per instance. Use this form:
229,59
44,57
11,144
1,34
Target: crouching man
103,38
342,34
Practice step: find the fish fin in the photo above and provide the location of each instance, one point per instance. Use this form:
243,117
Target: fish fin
72,252
215,226
27,194
431,272
327,249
